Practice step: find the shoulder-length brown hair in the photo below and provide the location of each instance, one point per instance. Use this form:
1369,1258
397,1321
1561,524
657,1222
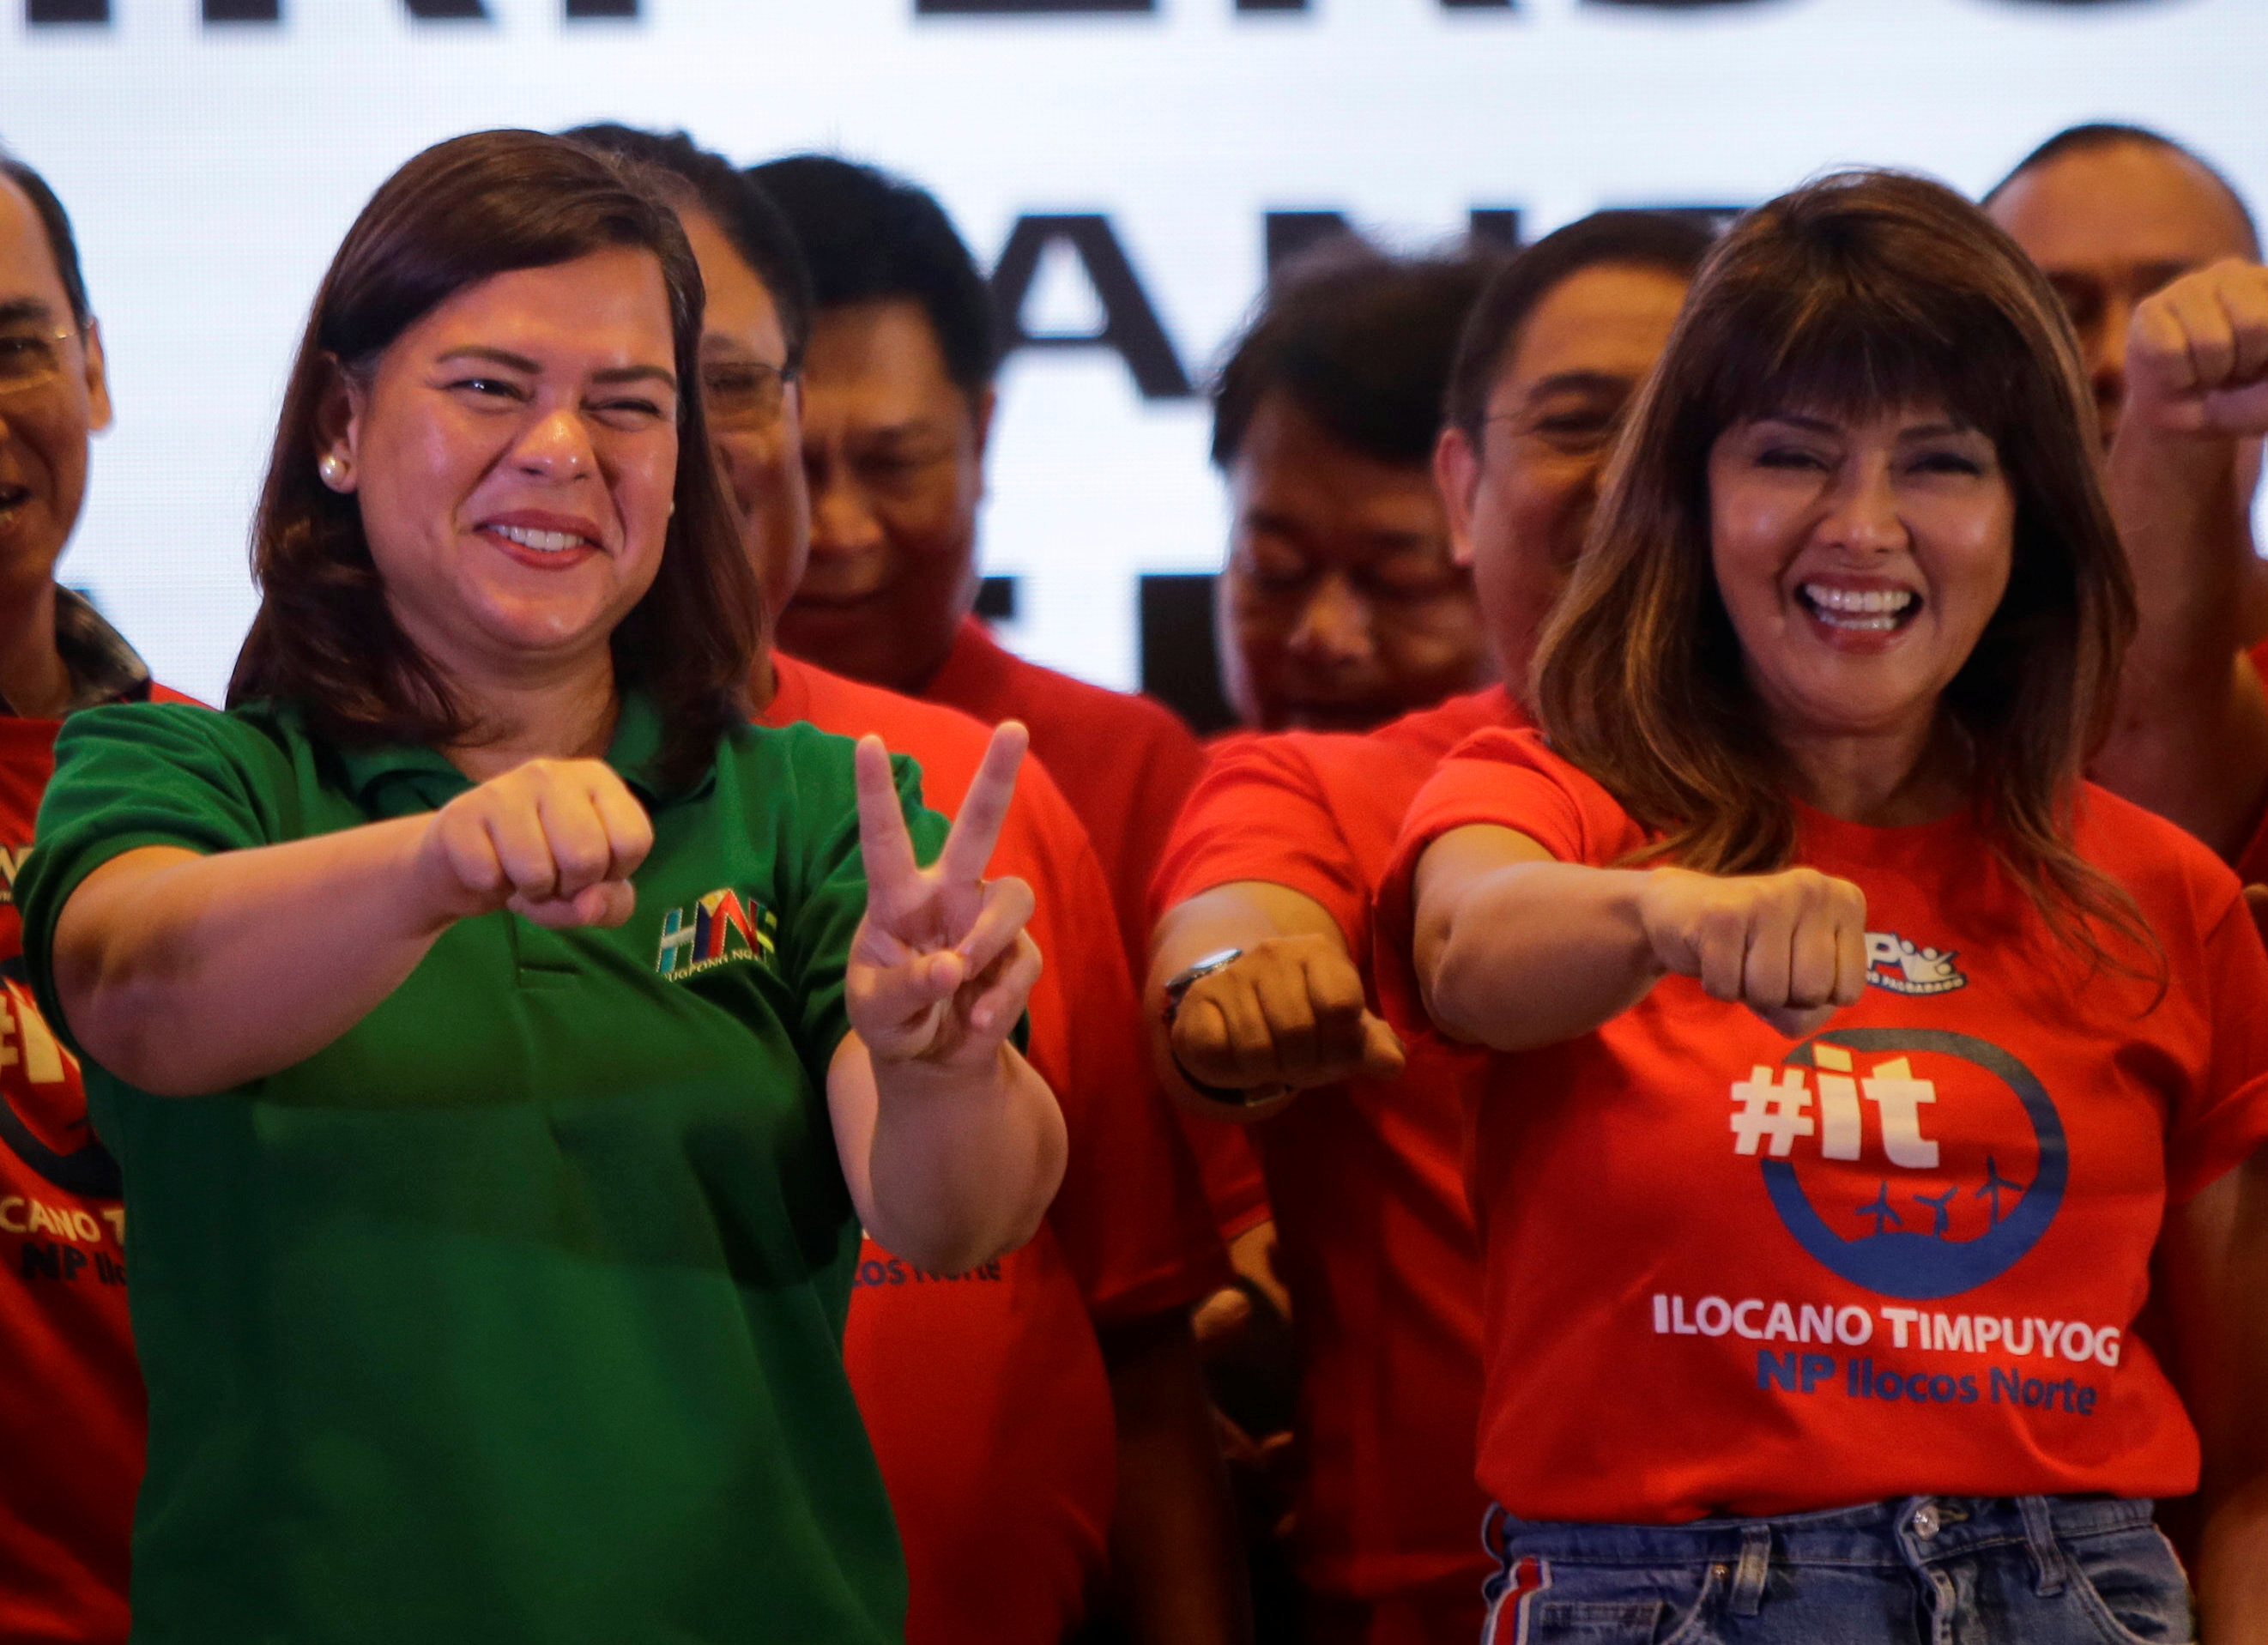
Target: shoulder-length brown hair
1859,292
459,213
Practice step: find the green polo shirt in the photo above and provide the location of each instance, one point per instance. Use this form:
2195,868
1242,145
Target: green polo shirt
516,1314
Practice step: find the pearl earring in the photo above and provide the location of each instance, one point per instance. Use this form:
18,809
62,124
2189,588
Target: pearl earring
333,471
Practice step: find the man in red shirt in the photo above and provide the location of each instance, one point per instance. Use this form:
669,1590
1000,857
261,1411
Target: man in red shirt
1040,1421
898,402
71,1426
1262,953
2152,250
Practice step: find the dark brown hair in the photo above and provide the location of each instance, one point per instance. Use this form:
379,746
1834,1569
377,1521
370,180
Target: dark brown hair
1857,293
1661,240
462,212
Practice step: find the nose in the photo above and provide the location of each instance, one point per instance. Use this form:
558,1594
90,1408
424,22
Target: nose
1863,516
2105,345
842,523
556,447
1333,627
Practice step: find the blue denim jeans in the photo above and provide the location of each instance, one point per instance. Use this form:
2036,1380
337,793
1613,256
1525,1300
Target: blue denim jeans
1926,1570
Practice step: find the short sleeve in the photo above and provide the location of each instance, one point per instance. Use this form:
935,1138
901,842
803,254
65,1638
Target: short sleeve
2227,1116
137,775
1507,779
816,940
1258,813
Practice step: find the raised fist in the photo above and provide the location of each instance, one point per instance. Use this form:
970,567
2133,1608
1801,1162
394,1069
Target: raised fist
2196,355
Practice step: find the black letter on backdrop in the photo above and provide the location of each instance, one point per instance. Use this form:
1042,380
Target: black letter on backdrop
1025,8
243,10
42,12
1446,5
1285,235
1129,324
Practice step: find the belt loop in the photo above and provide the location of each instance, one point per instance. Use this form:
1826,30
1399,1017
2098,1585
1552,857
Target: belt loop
2047,1553
1491,1525
1748,1597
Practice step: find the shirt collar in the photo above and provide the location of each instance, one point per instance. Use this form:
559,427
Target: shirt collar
428,778
101,666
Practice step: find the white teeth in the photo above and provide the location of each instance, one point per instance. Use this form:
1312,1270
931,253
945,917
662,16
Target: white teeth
1854,602
541,541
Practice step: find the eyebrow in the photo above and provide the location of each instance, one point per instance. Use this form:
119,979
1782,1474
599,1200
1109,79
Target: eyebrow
17,311
1822,425
521,363
1581,382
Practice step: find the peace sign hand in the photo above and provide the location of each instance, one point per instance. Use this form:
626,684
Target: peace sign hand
942,964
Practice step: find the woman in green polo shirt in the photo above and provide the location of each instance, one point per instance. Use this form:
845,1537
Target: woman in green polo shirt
501,1038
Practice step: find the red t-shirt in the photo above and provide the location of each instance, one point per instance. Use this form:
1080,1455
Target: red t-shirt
1730,1274
1125,763
72,1420
986,1396
1368,1180
2252,862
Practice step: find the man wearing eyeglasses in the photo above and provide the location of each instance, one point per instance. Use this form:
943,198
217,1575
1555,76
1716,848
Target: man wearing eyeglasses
71,1418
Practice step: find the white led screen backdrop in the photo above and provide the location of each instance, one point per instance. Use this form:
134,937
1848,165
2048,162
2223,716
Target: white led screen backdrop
212,151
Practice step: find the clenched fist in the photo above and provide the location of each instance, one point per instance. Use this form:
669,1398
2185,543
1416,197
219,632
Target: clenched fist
1790,945
1288,1012
2196,355
556,840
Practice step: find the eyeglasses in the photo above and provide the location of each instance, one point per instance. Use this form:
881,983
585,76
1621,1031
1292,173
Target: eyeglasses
742,394
31,360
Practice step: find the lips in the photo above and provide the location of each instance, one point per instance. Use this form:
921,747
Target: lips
541,540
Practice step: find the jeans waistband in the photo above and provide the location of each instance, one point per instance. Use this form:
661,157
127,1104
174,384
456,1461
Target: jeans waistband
1902,1532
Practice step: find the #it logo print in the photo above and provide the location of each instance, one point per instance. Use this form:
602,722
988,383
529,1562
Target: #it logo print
1893,1189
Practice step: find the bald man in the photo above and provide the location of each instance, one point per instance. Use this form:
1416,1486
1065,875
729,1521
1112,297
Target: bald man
2157,258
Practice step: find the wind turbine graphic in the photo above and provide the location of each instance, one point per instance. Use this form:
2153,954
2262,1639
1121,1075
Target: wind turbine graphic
1943,1205
1995,1185
1880,1209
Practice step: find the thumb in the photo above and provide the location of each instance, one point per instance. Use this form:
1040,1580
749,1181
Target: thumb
1383,1057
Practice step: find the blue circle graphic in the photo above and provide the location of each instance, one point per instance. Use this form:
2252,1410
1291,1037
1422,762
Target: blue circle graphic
1921,1267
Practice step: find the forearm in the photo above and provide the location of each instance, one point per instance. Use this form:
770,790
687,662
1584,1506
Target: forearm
1178,1569
2232,1575
1529,954
189,973
950,1166
2189,740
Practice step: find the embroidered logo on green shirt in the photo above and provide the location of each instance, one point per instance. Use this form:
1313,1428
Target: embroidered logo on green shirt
716,930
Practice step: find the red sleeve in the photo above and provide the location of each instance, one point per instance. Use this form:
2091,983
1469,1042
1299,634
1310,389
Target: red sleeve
1132,1216
1507,778
2226,1117
1258,813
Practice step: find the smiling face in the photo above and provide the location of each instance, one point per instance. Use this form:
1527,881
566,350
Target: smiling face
1860,559
514,453
1521,504
1340,606
893,454
52,397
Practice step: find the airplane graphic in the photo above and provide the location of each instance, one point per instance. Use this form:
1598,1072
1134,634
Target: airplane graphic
1943,1205
1995,1185
1880,1209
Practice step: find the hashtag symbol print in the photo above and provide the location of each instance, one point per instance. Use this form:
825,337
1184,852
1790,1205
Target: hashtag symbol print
1768,1111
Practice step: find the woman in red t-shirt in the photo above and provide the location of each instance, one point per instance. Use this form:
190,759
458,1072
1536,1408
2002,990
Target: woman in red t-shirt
1858,1063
